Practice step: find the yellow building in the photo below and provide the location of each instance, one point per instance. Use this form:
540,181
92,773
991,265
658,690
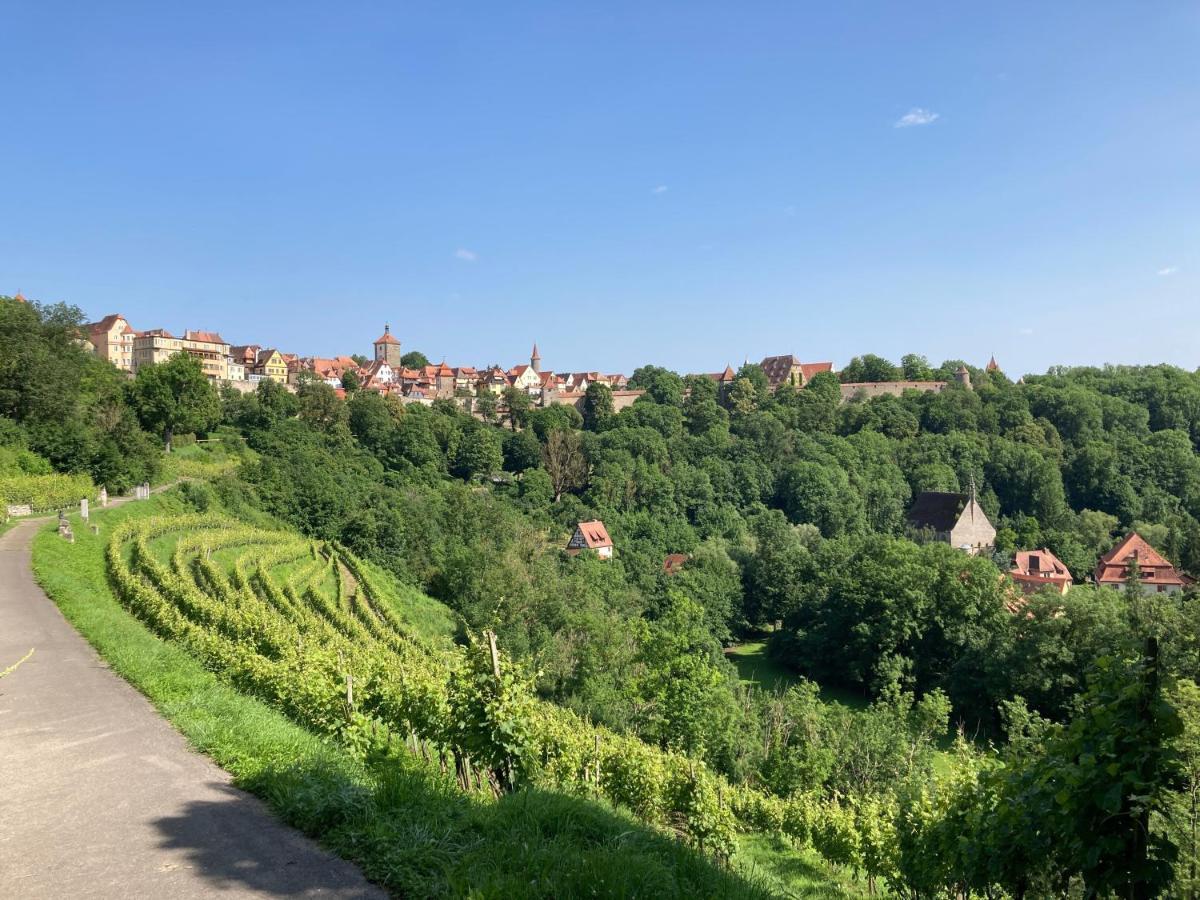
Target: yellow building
211,350
112,339
154,346
271,364
158,345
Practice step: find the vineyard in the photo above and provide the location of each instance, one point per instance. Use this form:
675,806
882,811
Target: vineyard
312,630
43,492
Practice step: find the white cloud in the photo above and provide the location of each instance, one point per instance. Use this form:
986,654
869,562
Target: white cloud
466,255
660,189
1168,270
916,116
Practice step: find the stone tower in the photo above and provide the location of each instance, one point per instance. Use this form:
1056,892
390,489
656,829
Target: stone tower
535,359
387,348
963,377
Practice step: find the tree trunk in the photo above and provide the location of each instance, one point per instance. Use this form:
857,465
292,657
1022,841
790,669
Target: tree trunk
168,433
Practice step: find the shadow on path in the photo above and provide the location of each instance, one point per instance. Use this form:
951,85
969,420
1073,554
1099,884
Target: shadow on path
224,841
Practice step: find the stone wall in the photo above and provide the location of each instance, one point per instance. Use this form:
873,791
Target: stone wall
621,399
869,390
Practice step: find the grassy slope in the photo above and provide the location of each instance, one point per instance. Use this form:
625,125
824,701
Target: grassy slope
756,666
401,820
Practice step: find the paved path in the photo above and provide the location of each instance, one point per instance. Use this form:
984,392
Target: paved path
101,798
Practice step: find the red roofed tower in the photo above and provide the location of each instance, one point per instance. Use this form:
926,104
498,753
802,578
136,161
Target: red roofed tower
535,359
387,348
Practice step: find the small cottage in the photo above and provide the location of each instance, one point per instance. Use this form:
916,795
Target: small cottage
591,536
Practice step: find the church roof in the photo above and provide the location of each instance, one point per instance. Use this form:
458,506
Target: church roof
938,510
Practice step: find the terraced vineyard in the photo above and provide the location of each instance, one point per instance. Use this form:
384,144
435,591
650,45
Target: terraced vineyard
310,629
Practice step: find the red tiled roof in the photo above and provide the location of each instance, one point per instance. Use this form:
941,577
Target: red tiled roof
1035,569
808,370
104,324
595,535
19,297
1153,567
778,369
205,337
674,562
386,337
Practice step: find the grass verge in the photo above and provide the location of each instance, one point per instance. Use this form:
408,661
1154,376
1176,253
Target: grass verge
397,816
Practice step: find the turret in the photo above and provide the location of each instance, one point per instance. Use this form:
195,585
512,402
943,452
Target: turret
535,359
387,348
963,377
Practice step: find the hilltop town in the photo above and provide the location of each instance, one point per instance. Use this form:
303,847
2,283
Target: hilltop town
411,378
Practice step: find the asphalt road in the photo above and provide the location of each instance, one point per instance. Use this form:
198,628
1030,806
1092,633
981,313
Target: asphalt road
101,798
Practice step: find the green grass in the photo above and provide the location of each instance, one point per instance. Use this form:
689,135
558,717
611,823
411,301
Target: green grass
429,618
398,817
790,871
755,666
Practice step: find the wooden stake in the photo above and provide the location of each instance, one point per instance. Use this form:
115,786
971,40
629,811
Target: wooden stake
491,636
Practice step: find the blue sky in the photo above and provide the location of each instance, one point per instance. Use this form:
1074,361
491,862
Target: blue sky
687,183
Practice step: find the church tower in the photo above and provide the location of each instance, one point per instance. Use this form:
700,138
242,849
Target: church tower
387,348
535,359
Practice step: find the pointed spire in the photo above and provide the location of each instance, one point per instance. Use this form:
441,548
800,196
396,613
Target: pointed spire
992,365
535,354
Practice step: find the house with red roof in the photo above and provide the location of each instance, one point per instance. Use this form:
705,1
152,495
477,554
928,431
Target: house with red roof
377,375
112,339
210,350
526,378
781,370
1155,572
673,563
1036,570
591,536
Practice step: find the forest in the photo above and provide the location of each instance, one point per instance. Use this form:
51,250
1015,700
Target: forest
942,737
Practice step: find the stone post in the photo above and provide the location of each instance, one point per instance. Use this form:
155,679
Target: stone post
83,509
